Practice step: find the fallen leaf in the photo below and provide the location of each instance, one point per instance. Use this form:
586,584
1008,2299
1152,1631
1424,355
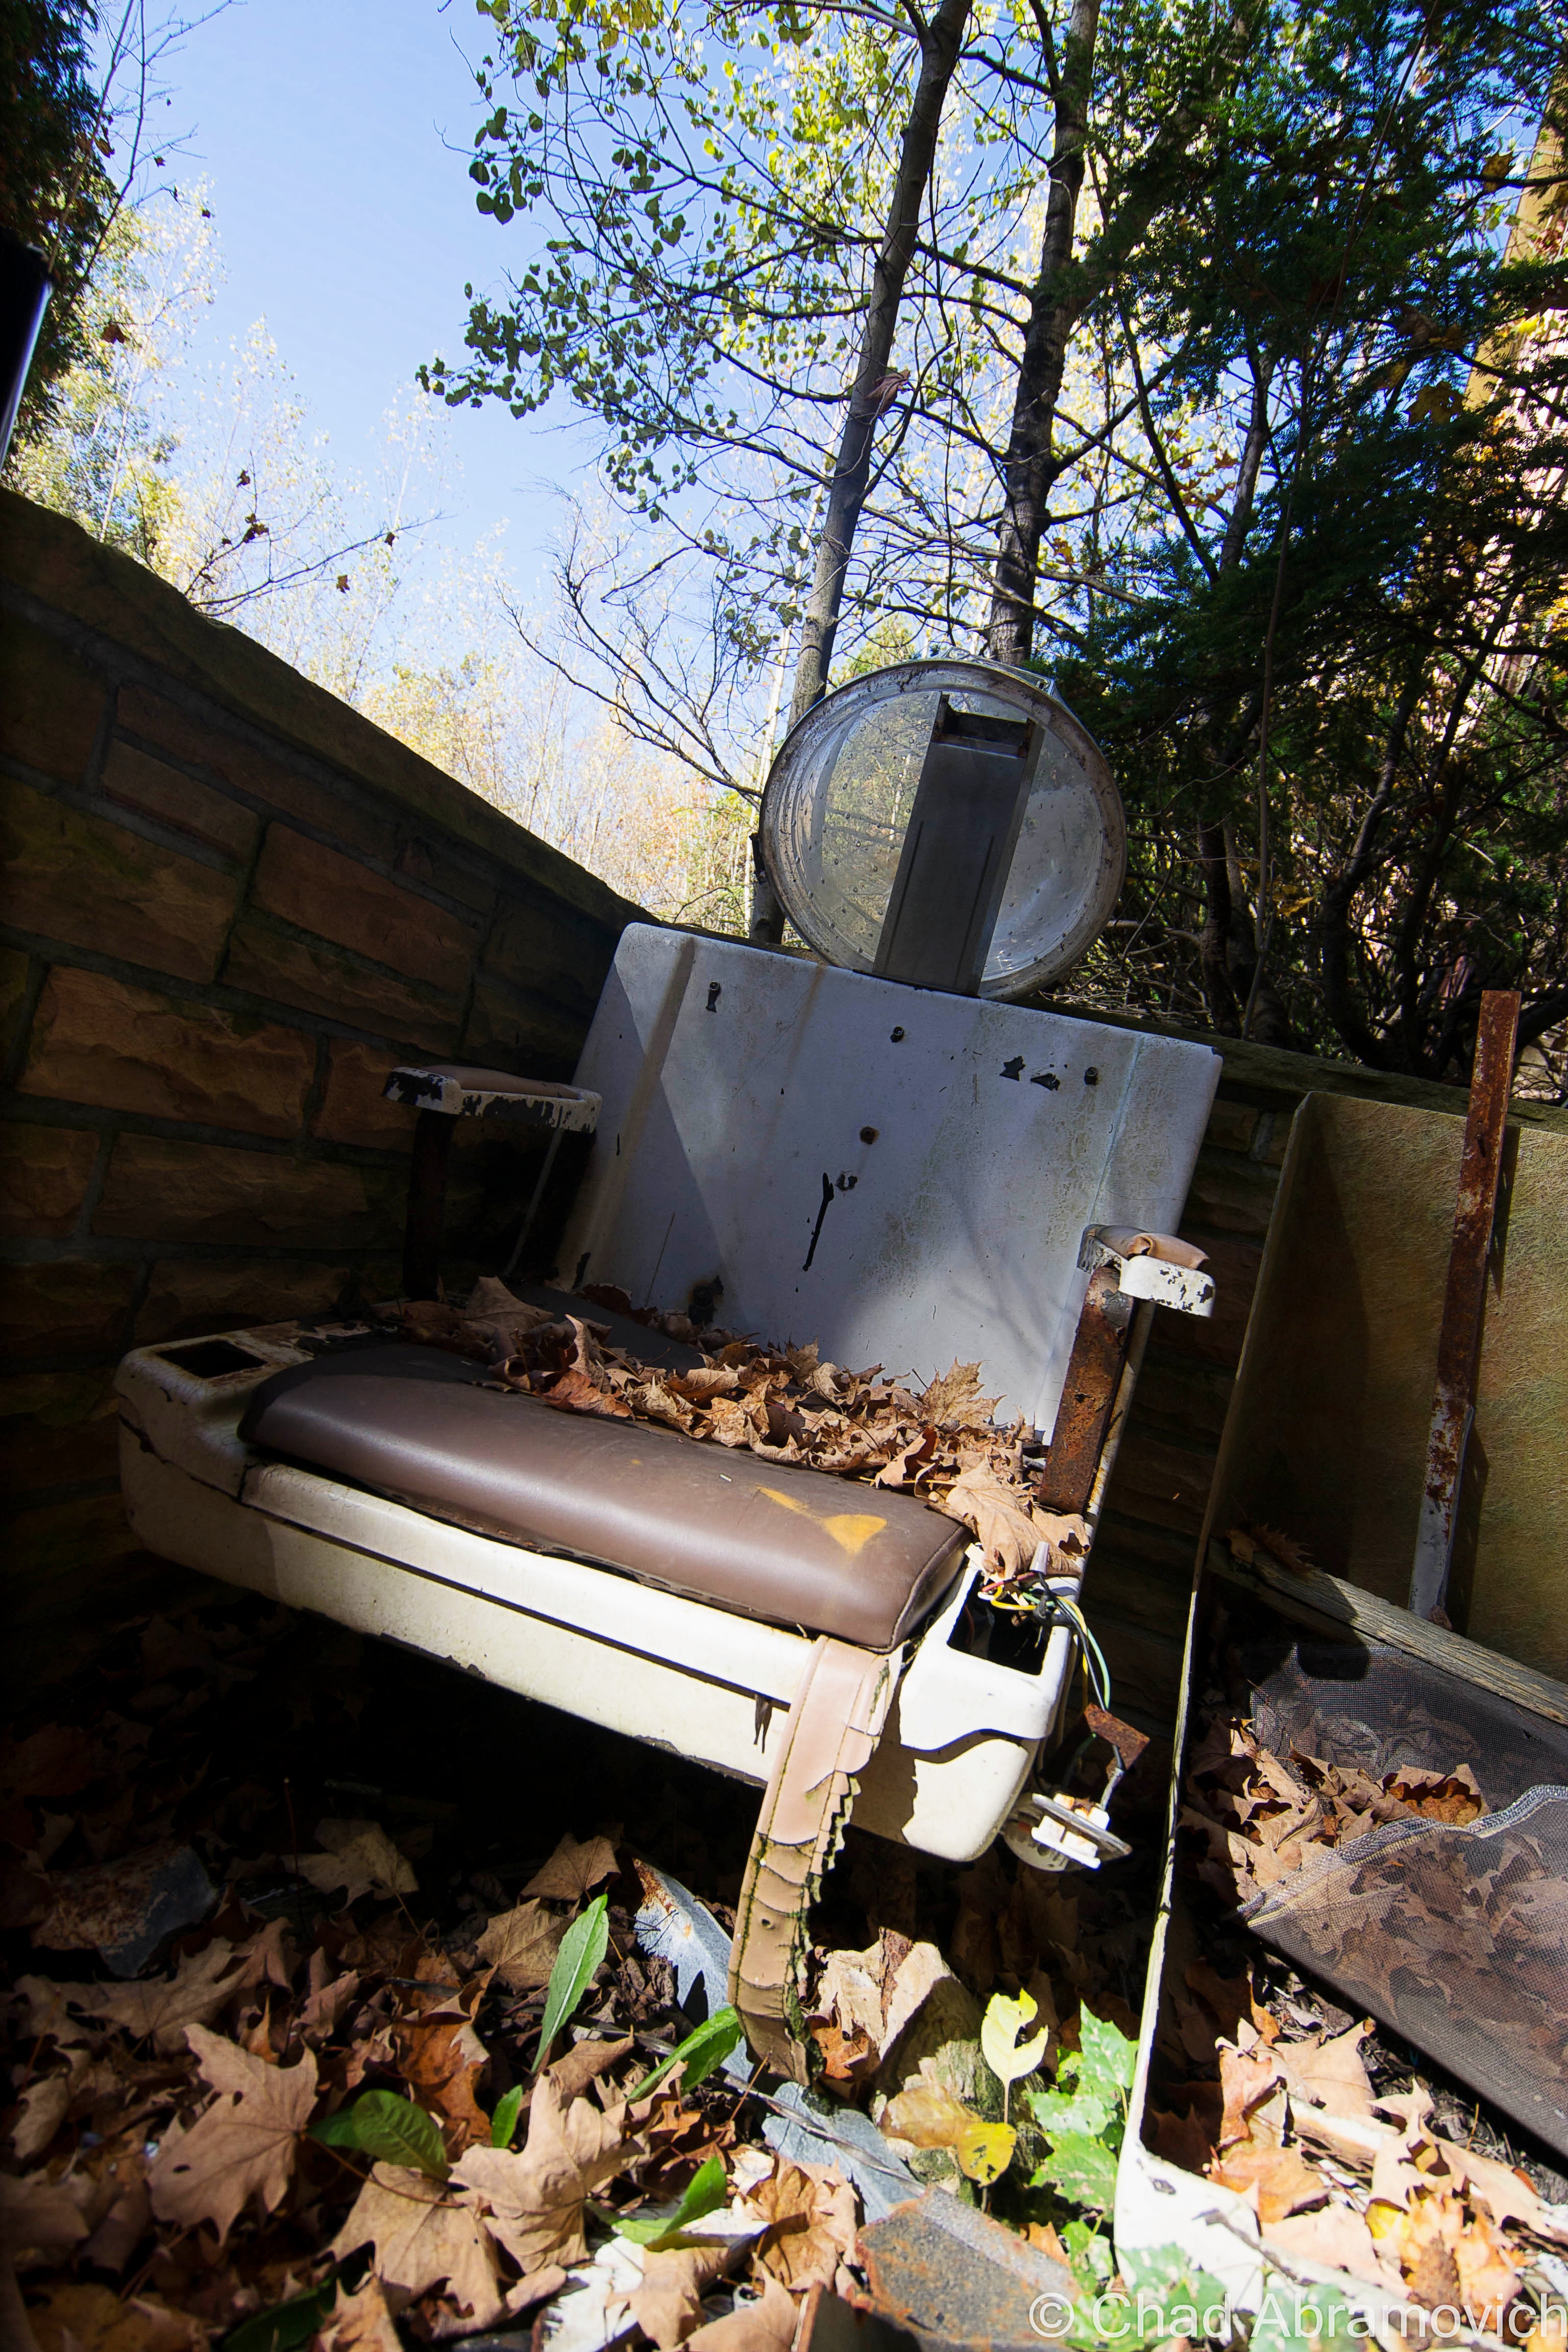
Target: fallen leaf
80,2318
520,1944
202,1985
767,2325
667,2305
40,2112
359,2323
574,1869
243,2145
40,2220
439,2055
128,2218
985,2150
1283,2178
73,2318
328,1997
586,2062
955,1398
1331,2074
1335,2235
535,2199
810,2214
1506,2195
999,1516
927,2116
1247,2079
360,1856
421,2236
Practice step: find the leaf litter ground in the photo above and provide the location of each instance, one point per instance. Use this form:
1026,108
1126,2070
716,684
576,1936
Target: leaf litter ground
312,2109
319,2112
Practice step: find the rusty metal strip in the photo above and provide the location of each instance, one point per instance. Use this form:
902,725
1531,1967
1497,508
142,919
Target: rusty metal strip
1089,1392
832,1728
1459,1340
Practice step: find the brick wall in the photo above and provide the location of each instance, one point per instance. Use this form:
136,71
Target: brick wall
1141,1573
228,906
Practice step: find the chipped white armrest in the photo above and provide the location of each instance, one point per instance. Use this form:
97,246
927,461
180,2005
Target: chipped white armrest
1156,1266
463,1092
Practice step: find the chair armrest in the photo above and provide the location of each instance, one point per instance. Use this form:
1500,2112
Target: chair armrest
1150,1265
461,1092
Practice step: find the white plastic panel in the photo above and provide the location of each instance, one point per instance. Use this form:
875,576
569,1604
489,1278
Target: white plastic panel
738,1087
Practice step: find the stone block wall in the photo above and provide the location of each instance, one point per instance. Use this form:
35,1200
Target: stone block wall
228,906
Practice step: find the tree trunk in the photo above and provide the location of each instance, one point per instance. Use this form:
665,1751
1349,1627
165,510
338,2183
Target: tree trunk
1213,943
870,394
1029,471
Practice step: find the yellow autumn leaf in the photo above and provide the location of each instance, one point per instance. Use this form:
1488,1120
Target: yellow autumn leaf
985,2150
1008,2058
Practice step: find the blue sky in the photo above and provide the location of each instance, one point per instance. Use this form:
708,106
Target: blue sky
334,135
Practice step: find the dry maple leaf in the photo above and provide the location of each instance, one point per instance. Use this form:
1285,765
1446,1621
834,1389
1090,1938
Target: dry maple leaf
123,2212
955,1398
360,1856
586,2062
667,2305
1282,2178
1337,2237
1248,2078
810,2213
40,2220
1333,2073
40,2112
73,2318
359,2323
421,2236
999,1516
520,1944
572,1869
326,1998
575,1392
244,2143
439,2055
767,2325
535,2199
201,1986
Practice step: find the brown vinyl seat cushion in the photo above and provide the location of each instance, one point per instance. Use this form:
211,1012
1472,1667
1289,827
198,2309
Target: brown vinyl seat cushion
796,1547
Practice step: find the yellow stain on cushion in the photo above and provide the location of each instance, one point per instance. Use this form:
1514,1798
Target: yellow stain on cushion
852,1529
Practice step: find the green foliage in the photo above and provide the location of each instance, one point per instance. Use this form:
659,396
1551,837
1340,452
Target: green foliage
1306,527
1081,2169
1084,2116
704,2049
55,192
503,2123
583,1947
391,2129
1292,2318
704,2193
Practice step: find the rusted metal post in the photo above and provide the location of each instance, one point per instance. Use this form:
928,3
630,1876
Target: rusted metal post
1089,1392
1459,1340
427,1204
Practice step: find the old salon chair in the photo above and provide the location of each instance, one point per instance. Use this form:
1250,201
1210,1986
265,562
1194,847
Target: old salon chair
874,1150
